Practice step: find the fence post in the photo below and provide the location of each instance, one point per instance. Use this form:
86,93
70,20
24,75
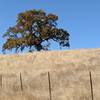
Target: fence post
49,81
91,84
1,80
21,82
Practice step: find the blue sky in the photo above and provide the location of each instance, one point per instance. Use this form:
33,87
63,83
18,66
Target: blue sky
81,18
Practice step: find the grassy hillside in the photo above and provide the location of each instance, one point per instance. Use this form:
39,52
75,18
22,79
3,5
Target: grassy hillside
69,73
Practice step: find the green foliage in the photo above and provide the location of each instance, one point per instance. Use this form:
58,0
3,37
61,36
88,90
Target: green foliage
32,29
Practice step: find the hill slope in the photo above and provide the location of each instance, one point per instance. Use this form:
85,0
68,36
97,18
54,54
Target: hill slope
25,76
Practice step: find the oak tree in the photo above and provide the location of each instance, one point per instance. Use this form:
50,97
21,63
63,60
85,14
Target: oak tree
34,30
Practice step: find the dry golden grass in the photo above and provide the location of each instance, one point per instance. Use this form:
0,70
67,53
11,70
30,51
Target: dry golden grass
69,71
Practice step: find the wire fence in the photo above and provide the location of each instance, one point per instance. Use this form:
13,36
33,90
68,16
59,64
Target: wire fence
21,77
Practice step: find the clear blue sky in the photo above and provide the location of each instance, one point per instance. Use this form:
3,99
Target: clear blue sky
81,18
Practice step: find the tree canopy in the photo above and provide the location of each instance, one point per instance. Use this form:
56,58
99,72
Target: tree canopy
33,30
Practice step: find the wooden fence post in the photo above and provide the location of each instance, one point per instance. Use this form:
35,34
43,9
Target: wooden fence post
1,80
49,81
91,84
21,82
